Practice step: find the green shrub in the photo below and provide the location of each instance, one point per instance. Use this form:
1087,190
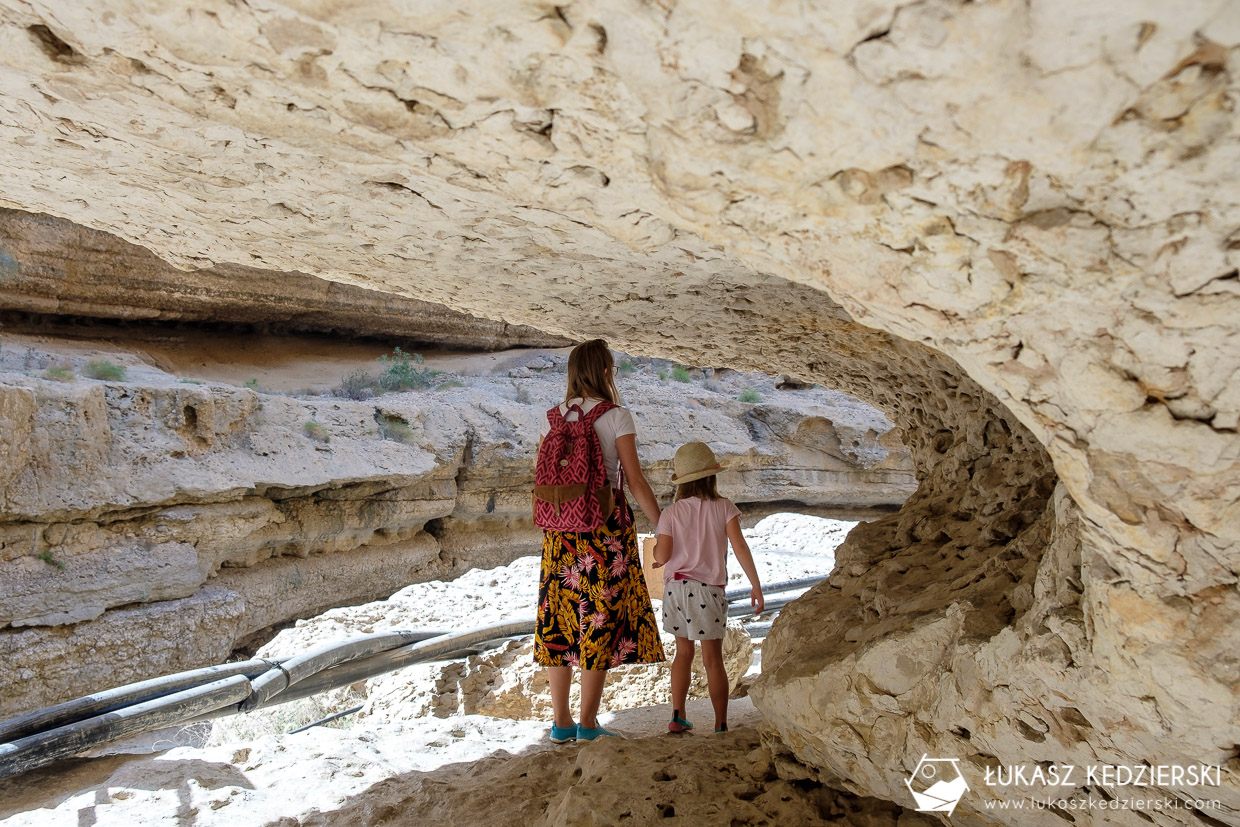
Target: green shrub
749,395
403,371
358,385
105,370
59,373
627,366
680,373
191,381
395,429
252,384
662,376
316,431
451,383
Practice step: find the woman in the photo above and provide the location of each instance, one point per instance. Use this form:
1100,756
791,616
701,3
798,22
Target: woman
593,608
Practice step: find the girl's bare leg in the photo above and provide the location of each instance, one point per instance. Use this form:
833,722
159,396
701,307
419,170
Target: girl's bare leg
682,671
592,681
561,680
716,679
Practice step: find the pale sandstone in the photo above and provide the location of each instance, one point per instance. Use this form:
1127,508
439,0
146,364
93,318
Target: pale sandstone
63,269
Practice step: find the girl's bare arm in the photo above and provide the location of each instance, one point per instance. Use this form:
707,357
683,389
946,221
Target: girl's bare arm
662,550
745,558
626,447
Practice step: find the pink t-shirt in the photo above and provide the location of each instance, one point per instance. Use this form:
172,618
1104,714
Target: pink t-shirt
699,530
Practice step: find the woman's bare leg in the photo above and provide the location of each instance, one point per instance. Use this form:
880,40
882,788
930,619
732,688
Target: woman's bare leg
561,680
592,681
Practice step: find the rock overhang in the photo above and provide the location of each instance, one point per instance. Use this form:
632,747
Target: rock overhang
1010,225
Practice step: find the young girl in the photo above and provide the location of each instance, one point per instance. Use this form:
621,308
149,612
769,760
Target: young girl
693,550
593,608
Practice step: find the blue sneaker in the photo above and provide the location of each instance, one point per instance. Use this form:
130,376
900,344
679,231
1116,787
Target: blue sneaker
584,734
563,734
678,724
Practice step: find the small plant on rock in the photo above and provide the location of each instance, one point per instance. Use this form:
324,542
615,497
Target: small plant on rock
59,373
749,395
680,373
627,367
47,557
104,370
252,384
316,431
396,429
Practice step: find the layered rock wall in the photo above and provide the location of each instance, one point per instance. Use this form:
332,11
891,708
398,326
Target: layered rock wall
149,526
54,268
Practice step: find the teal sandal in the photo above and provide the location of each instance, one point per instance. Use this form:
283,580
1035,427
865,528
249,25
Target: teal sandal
584,734
563,734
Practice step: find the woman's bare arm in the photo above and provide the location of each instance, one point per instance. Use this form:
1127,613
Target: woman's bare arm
626,447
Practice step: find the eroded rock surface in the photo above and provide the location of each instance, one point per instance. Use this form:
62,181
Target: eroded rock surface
57,268
1011,225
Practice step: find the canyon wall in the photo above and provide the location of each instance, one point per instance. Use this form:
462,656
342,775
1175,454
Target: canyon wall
1011,225
152,525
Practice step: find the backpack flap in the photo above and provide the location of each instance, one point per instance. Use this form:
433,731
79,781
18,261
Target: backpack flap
556,495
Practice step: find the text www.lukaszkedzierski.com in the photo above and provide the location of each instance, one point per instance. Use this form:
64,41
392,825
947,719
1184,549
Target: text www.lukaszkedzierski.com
1102,804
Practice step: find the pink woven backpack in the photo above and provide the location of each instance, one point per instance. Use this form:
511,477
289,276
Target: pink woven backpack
571,489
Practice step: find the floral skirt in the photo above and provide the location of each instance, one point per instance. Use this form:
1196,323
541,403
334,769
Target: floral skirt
593,608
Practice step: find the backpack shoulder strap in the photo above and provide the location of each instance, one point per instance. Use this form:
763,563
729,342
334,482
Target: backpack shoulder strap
598,410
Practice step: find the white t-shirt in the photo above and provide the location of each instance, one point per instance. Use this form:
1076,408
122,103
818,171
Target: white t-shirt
610,426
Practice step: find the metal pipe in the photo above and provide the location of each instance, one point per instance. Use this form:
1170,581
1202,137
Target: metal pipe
98,703
775,588
300,667
326,720
34,751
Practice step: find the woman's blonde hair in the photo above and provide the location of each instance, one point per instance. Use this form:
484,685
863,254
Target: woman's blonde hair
706,489
590,372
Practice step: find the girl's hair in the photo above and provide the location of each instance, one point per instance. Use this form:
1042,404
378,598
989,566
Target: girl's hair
590,372
705,488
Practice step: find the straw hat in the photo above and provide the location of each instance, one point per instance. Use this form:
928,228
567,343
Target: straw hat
693,461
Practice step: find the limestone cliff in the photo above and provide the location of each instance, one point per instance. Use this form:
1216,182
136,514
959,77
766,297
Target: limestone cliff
151,525
59,269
